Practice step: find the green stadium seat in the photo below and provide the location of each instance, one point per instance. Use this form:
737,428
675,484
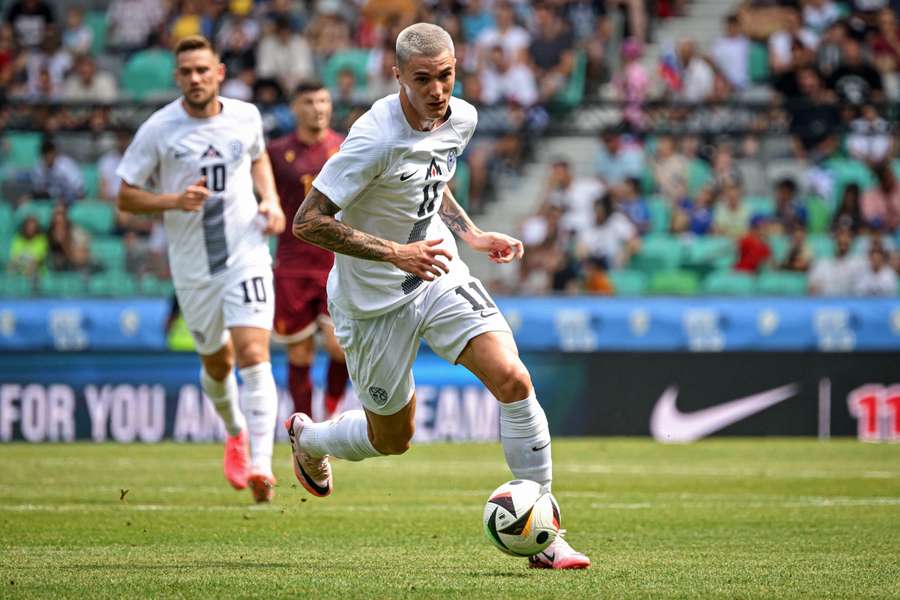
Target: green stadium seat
14,286
151,285
648,181
779,245
660,214
96,21
112,284
674,283
659,252
109,251
61,285
356,60
91,180
709,252
461,184
818,215
781,283
760,205
849,170
42,210
24,149
571,94
759,62
93,215
699,175
149,73
273,245
627,282
729,283
821,244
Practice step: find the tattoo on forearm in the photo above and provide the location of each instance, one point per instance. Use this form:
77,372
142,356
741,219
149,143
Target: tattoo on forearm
454,216
315,223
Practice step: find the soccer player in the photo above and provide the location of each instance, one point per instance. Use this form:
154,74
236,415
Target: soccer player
301,269
197,160
382,204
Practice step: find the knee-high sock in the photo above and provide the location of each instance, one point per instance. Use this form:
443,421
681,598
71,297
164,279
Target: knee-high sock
224,396
300,385
526,440
336,380
345,437
260,403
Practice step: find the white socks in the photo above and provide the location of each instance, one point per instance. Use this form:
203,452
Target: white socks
224,396
345,437
526,440
260,404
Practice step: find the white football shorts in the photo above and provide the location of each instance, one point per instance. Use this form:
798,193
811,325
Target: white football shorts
239,297
380,351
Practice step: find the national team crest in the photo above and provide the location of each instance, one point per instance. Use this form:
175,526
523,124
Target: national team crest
237,148
451,160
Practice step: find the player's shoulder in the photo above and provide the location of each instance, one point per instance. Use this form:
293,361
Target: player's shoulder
463,115
282,142
165,117
380,121
238,108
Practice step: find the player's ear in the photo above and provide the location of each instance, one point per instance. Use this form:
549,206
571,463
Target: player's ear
220,71
396,71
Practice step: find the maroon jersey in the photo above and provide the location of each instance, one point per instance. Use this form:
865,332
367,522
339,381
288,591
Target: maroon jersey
295,165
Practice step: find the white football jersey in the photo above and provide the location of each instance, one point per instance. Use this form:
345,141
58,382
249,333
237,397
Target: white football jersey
388,179
171,151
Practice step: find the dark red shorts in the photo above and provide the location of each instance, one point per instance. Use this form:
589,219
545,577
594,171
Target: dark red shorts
301,304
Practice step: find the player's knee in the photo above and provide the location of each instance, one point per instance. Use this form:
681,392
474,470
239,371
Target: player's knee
251,353
395,443
514,383
218,369
301,354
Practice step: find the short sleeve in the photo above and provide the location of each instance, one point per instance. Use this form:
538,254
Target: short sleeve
361,158
141,159
471,122
258,145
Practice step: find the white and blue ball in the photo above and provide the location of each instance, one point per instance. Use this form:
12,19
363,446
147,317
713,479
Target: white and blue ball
520,519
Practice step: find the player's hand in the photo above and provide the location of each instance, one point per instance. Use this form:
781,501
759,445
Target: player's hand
421,259
194,196
499,247
275,221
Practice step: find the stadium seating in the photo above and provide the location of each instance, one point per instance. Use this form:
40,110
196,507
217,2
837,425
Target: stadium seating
821,244
91,180
6,231
729,283
355,60
572,93
95,216
759,62
674,283
112,283
23,149
781,283
760,205
660,214
150,285
42,210
14,286
628,283
96,21
818,215
109,252
148,73
699,175
61,285
659,252
705,253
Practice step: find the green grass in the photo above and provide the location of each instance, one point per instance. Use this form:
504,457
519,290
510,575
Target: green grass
719,519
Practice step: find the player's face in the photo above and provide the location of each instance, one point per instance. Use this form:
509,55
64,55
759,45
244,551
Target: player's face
199,74
428,82
313,110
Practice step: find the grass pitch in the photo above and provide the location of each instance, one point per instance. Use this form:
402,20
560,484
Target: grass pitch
718,519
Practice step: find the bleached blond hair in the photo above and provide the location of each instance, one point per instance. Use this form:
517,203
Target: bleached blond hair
422,39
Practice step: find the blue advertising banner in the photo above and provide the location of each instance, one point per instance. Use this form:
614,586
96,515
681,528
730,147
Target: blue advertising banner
582,324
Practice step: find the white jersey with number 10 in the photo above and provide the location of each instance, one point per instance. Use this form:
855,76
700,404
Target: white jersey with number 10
388,179
171,151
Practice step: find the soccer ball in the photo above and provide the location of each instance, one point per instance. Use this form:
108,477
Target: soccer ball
519,519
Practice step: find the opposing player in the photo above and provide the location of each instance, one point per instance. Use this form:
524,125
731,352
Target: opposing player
398,278
301,269
197,160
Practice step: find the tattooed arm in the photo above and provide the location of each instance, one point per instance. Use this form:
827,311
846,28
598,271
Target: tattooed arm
500,247
315,223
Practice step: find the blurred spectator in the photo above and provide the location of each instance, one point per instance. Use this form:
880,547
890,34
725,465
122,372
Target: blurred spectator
882,202
596,277
28,251
870,139
753,248
799,256
632,204
575,196
855,80
724,170
348,97
506,33
790,210
131,22
693,77
837,276
328,33
29,20
731,54
814,118
505,81
633,83
877,277
669,168
829,54
380,71
618,158
849,212
782,43
108,181
187,22
731,216
77,37
284,55
818,15
56,176
695,216
10,57
544,242
237,38
240,87
69,244
611,237
886,42
476,19
86,84
551,51
47,68
137,254
276,114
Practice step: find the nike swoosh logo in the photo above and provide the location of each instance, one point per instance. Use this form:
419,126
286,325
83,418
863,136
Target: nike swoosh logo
668,424
537,448
180,155
406,176
489,313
